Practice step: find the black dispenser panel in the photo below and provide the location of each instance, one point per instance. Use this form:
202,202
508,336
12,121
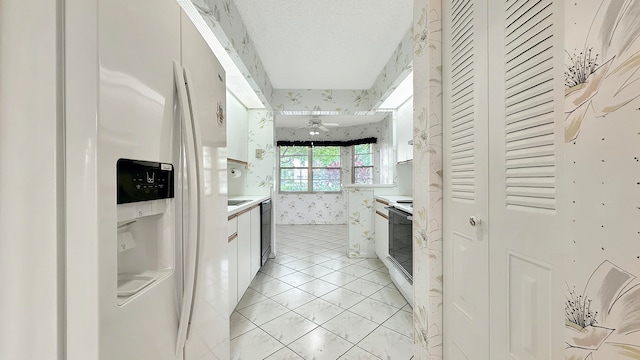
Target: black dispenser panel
140,180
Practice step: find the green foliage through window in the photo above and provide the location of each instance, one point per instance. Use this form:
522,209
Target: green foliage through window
310,169
363,164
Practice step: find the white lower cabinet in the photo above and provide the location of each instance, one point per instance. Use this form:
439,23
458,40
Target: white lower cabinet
233,273
244,233
256,224
381,224
244,253
232,235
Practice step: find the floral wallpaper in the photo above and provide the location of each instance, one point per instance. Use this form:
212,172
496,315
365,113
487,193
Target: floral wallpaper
343,101
350,101
427,168
602,154
361,243
223,18
297,209
400,64
260,172
332,208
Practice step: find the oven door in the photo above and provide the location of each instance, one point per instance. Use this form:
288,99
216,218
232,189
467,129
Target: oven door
401,240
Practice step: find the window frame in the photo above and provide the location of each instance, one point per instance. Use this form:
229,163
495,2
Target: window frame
310,169
354,167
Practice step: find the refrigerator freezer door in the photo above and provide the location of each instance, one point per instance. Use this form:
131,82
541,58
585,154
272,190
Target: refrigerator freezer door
137,119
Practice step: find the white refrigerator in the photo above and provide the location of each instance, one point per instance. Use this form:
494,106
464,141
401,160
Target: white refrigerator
146,250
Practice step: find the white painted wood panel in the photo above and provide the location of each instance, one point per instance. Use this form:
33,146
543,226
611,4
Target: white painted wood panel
244,253
466,267
526,140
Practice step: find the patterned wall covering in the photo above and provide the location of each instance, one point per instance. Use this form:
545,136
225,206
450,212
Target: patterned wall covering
260,173
223,18
427,168
360,206
400,64
310,209
602,133
349,101
344,101
331,208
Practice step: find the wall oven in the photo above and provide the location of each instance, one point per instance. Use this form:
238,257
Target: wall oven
401,240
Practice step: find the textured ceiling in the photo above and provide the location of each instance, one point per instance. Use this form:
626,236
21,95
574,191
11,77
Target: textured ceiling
325,44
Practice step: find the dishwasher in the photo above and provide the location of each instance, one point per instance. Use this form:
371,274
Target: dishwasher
265,238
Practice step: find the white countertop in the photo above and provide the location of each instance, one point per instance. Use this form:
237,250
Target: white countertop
253,200
393,201
393,198
371,186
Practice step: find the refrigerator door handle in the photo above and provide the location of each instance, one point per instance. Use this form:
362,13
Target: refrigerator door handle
199,175
189,267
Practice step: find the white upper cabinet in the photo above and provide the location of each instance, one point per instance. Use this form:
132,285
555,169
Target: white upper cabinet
237,129
404,130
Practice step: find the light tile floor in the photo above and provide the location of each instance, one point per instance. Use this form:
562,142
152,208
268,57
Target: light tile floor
312,302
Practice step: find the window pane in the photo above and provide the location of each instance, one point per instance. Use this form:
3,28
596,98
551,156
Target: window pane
326,156
363,175
362,160
294,185
294,150
294,161
294,174
326,179
294,156
362,149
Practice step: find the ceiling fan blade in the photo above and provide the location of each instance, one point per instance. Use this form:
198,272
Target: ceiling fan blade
321,127
330,124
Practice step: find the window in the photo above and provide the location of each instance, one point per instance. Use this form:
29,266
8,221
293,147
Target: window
363,164
309,168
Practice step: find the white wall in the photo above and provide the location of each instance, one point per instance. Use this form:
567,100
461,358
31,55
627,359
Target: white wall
31,181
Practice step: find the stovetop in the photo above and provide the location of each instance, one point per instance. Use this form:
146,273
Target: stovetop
404,206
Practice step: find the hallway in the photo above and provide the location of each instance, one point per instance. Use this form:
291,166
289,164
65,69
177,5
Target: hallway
312,302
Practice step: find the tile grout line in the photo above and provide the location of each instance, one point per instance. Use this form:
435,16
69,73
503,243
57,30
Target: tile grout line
307,258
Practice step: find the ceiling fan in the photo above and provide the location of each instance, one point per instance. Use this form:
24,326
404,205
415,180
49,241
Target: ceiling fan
316,124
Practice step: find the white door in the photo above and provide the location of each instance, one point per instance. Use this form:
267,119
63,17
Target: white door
503,297
466,267
526,137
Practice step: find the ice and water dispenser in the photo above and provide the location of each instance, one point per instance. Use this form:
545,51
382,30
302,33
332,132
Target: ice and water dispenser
146,225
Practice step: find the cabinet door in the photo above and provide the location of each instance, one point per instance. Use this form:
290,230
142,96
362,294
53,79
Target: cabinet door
382,233
233,273
237,130
244,253
256,223
405,130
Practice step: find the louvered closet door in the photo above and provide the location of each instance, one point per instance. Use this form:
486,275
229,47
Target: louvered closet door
525,127
466,277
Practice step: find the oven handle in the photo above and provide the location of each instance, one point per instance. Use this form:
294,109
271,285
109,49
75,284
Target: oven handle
400,212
